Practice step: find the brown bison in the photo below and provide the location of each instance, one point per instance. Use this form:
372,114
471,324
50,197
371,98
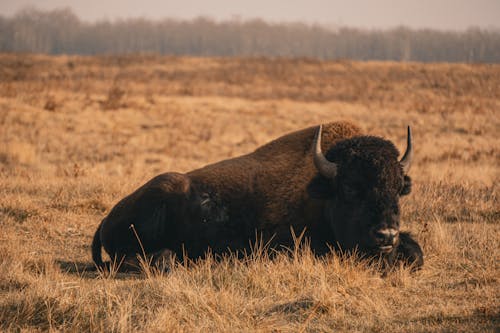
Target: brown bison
347,199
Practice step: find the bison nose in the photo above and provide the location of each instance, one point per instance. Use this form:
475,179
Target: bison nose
386,236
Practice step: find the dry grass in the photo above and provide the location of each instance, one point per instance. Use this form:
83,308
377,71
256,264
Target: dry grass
77,134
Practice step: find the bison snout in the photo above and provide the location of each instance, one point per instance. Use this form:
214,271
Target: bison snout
386,238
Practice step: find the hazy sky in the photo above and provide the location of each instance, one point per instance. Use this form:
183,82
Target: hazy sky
441,14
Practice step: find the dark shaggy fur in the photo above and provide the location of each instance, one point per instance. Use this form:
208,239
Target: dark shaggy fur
364,197
225,205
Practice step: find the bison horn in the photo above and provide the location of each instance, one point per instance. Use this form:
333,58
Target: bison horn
326,168
408,155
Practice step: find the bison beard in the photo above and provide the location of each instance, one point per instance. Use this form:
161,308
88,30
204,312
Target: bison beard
348,199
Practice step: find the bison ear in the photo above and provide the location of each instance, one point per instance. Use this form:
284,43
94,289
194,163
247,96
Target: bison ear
406,189
320,188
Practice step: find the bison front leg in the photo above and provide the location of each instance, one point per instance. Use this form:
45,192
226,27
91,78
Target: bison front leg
408,252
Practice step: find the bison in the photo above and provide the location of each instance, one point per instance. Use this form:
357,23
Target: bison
346,199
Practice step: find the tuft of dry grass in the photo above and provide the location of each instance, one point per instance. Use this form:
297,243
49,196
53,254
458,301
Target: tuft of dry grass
75,139
18,153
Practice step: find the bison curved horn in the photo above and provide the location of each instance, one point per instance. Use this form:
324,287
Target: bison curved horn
408,155
326,168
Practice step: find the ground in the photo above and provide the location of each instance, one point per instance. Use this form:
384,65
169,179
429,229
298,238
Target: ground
79,133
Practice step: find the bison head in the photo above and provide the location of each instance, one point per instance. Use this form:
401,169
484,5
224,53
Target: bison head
361,180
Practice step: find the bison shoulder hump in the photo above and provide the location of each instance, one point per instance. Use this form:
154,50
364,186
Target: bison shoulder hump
340,130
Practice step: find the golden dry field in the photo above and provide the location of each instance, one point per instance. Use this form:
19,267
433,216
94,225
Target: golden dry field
79,133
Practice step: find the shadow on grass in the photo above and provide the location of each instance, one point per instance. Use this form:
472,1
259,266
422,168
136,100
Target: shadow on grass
88,270
480,320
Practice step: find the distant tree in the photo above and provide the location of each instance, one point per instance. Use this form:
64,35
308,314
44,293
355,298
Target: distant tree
61,31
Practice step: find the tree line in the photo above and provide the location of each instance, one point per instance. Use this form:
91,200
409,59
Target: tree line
62,32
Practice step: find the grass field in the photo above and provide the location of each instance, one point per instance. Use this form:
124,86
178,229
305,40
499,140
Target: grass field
79,133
